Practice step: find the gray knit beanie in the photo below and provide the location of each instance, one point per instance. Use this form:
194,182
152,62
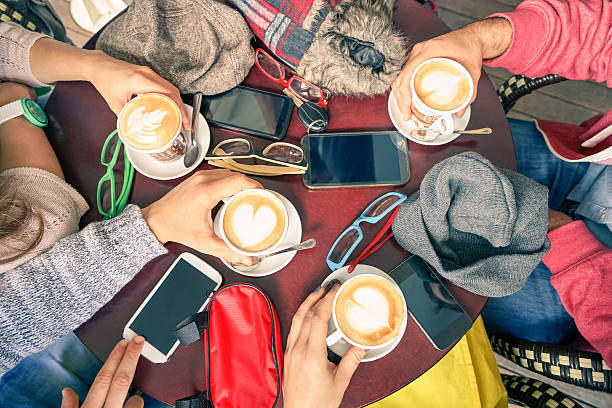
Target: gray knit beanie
481,227
198,45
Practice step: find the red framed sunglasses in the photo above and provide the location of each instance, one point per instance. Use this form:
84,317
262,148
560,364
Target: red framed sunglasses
296,85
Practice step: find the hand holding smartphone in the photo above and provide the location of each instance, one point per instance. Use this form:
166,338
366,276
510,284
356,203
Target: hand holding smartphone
183,290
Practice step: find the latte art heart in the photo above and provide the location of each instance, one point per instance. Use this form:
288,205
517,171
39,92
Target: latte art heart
369,310
254,222
253,225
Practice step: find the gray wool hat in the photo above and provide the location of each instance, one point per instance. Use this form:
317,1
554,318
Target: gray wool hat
481,227
197,45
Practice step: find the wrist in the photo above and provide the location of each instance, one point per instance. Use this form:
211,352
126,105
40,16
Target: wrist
93,64
152,218
494,36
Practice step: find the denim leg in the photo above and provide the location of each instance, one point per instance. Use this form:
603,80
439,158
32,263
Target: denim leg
533,313
37,381
535,161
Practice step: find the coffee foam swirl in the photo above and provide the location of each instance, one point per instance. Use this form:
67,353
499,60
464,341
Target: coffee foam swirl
369,311
254,222
441,85
149,122
143,126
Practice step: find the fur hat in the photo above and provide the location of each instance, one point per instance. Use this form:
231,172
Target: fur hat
198,45
349,47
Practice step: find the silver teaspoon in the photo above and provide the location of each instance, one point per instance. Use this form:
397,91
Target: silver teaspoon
309,243
191,154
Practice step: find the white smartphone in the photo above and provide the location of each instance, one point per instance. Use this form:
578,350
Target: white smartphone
183,290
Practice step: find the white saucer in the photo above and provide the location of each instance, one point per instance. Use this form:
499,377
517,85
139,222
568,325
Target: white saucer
406,127
274,263
341,347
147,165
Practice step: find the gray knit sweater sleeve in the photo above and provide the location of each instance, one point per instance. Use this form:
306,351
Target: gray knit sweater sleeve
52,294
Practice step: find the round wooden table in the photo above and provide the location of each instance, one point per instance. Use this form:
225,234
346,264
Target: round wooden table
79,123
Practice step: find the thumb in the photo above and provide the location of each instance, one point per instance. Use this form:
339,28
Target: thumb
69,399
217,247
347,366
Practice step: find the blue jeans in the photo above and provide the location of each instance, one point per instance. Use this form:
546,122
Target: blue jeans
37,381
535,312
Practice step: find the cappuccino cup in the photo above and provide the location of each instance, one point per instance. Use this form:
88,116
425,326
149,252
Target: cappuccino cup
253,222
369,312
439,87
151,123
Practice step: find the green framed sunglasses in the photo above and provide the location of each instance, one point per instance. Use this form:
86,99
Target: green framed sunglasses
108,158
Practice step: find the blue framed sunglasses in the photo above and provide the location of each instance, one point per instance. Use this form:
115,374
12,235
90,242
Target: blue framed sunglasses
346,243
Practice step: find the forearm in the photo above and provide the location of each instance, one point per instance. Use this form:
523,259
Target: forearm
52,294
24,145
493,35
53,61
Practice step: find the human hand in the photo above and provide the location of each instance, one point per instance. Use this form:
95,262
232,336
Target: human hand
112,383
11,92
469,46
309,379
184,214
118,81
557,219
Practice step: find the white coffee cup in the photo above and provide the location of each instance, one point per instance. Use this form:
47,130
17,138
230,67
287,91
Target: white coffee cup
424,115
336,334
267,195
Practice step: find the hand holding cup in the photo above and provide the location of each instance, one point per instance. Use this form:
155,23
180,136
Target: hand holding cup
184,214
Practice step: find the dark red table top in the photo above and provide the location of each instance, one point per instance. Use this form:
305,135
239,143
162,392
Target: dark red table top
79,124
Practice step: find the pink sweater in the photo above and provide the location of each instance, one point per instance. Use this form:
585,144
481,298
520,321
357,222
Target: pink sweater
571,38
582,275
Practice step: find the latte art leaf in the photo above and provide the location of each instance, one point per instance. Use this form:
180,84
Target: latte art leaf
143,126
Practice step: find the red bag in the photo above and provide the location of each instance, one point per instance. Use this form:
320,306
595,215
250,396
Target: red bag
244,351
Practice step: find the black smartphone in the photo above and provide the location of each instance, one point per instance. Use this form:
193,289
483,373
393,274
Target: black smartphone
363,159
430,304
251,111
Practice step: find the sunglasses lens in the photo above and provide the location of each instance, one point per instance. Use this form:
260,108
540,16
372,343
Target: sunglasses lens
305,91
232,148
268,65
110,150
285,153
343,245
380,206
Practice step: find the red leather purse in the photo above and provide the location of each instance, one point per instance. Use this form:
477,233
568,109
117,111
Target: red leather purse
243,349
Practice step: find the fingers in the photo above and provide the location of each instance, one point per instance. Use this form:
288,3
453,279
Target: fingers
232,184
318,326
69,398
217,247
135,401
124,374
347,366
300,315
99,389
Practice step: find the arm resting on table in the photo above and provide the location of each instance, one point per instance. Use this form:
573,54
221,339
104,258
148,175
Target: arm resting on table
581,274
54,293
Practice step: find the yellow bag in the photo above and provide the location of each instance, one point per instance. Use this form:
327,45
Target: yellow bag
466,377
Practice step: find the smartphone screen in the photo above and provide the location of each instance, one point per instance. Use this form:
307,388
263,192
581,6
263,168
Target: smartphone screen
430,303
378,158
181,294
251,110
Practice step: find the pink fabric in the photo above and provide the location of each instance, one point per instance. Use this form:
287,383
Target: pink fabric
571,38
581,268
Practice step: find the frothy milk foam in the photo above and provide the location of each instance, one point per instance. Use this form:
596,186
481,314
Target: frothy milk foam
369,311
149,122
254,222
441,85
